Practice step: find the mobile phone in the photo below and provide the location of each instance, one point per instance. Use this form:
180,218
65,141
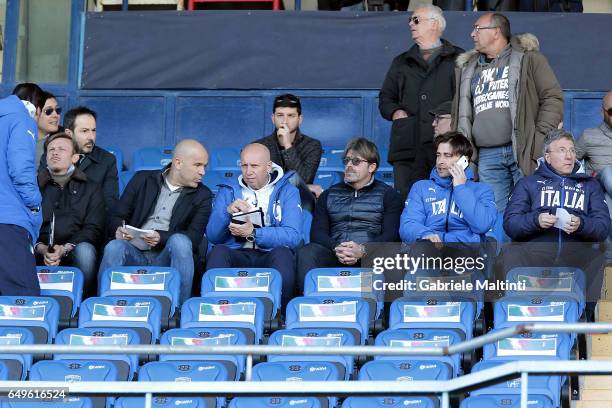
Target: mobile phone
463,162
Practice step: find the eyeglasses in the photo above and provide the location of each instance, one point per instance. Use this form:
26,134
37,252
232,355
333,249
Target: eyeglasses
563,151
416,19
477,28
608,111
49,111
355,161
438,118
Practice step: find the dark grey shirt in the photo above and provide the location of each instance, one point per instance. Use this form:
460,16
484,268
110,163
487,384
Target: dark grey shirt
490,101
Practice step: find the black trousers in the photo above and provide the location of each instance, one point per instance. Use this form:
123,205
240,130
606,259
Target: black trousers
17,263
313,256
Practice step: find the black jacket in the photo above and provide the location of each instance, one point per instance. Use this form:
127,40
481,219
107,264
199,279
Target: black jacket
100,167
303,157
414,85
342,214
78,208
189,215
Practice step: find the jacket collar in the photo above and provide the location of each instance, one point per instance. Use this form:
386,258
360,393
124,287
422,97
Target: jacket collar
158,176
44,176
520,42
446,50
546,171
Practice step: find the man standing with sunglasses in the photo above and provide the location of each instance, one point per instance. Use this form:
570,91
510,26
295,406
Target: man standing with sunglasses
418,81
508,99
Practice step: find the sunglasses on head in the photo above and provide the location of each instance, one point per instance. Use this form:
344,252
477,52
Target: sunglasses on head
49,111
287,98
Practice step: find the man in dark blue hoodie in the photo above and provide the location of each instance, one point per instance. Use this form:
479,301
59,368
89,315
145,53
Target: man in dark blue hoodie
20,216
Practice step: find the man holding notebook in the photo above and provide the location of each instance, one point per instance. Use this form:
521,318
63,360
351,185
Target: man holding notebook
172,207
257,219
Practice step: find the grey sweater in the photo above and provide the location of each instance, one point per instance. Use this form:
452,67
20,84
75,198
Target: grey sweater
595,146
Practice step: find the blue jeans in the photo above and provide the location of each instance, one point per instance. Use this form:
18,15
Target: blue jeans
85,257
497,168
177,254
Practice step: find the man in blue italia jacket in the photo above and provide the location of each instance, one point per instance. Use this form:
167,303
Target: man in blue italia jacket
450,206
263,186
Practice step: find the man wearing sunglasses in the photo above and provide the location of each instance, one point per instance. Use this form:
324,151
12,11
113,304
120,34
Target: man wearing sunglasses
417,81
595,147
351,214
507,100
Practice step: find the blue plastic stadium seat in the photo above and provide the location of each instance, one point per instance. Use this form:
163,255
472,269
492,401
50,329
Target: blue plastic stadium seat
327,178
346,282
39,314
126,364
386,176
504,401
405,370
330,312
161,402
124,179
76,371
64,284
234,363
213,178
225,158
422,338
162,283
141,314
17,365
275,402
186,371
151,158
262,283
243,313
331,159
115,151
313,338
407,313
389,402
67,402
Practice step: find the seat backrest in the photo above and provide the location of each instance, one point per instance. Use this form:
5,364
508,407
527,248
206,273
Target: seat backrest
529,346
504,401
331,159
183,371
404,369
531,308
276,402
151,158
243,313
18,364
124,179
389,402
161,402
39,314
327,178
225,158
67,402
213,178
64,284
142,314
73,371
115,151
330,312
296,371
263,283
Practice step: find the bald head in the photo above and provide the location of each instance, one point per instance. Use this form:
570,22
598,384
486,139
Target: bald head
189,162
255,165
607,108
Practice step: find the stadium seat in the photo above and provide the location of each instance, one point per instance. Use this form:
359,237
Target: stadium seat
124,179
67,402
386,176
115,151
243,313
234,363
213,178
331,159
161,402
76,371
527,308
404,369
126,364
262,283
15,366
504,401
348,313
64,284
313,338
225,158
151,158
422,338
141,314
39,314
186,371
275,402
497,231
389,402
407,313
159,282
346,282
327,178
299,371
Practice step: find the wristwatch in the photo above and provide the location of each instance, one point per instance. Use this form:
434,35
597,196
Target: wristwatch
251,236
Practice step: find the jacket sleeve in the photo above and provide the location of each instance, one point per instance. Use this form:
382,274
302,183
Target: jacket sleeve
391,218
197,226
414,216
93,224
320,230
550,113
289,232
306,162
216,230
581,148
110,186
596,225
520,222
21,167
389,95
478,207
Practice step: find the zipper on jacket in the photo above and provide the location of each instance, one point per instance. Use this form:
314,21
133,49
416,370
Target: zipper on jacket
562,200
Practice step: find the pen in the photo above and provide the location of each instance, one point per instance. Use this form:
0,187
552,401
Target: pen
123,226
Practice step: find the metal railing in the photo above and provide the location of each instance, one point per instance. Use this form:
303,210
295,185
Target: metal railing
336,388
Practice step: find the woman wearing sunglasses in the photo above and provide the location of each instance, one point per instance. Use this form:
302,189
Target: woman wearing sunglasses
48,121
